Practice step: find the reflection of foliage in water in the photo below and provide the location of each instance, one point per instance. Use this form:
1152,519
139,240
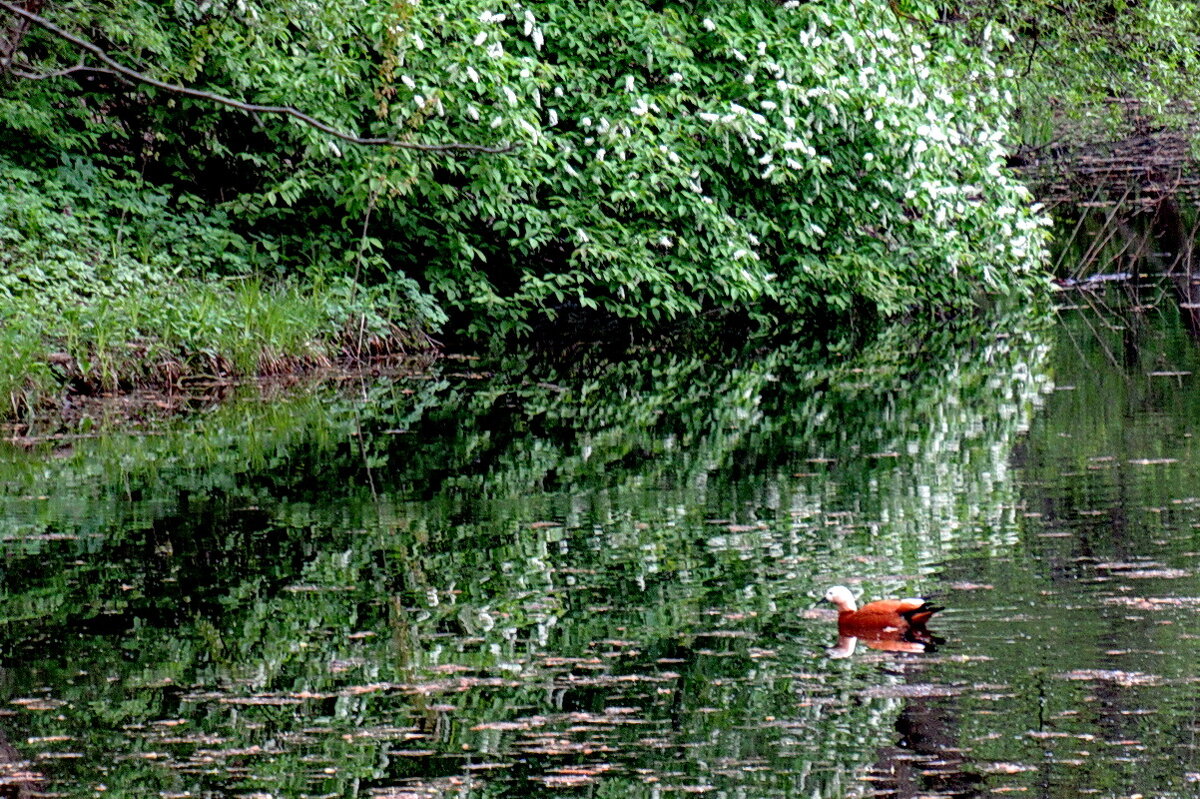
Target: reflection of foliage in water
1088,627
557,572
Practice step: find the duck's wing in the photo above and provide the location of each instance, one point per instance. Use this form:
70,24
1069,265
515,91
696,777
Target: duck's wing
918,611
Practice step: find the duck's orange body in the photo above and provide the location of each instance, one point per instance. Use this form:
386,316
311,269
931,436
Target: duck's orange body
885,615
895,614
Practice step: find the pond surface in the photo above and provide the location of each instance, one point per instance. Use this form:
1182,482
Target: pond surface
602,579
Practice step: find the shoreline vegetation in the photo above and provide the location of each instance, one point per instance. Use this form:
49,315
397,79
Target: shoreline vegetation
212,192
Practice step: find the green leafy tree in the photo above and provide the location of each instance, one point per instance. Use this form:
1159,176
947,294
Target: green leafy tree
785,159
647,161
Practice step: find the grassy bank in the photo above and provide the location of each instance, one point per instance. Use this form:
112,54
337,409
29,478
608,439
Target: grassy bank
188,330
107,283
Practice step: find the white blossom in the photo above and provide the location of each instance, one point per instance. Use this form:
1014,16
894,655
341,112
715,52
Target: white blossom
480,38
528,127
709,25
495,50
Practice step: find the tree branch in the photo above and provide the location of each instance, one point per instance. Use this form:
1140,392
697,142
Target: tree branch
252,108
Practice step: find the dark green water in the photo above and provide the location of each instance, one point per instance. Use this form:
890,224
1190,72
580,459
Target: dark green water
602,581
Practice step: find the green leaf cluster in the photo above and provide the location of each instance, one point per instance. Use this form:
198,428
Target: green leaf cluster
670,160
678,159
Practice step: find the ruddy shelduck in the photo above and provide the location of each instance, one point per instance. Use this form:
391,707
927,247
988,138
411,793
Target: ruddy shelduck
900,616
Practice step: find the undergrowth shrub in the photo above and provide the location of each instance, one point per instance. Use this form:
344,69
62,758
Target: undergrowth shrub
106,282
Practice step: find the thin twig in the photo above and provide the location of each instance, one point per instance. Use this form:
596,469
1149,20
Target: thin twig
220,99
58,73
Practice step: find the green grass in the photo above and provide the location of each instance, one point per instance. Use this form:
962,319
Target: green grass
183,330
25,374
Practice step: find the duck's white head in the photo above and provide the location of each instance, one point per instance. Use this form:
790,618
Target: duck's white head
841,597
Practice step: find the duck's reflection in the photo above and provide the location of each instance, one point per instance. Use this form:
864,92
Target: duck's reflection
927,760
911,640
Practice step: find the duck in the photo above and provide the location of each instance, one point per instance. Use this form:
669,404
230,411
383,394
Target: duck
904,617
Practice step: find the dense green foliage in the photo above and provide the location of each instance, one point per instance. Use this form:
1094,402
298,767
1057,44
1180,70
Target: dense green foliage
1087,69
658,162
791,159
669,159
